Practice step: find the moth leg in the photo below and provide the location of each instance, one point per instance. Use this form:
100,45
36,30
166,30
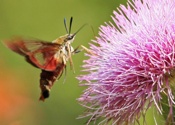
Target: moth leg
65,74
87,50
77,50
70,58
64,59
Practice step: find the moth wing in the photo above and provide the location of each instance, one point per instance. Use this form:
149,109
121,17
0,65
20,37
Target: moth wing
38,53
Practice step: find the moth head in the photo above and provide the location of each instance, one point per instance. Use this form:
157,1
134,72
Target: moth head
68,37
64,39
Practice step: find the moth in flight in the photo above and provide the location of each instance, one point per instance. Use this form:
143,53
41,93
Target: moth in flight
50,57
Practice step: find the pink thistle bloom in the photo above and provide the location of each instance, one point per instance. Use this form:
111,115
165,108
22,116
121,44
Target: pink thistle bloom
134,64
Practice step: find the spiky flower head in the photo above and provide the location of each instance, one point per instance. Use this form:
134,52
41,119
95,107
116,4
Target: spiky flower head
133,65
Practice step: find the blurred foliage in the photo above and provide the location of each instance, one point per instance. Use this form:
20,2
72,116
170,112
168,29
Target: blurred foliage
19,82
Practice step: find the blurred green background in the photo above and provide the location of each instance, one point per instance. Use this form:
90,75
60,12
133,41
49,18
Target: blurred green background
19,81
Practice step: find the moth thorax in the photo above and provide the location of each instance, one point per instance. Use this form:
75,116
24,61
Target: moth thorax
60,40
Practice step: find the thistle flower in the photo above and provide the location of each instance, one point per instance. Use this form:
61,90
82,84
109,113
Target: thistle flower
133,67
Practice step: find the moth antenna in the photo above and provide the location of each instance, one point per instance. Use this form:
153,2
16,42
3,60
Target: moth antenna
70,25
92,30
83,27
65,25
79,29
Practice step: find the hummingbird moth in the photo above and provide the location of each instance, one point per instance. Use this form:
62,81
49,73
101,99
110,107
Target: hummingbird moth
50,57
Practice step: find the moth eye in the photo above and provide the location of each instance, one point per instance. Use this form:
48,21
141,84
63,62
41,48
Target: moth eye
69,37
